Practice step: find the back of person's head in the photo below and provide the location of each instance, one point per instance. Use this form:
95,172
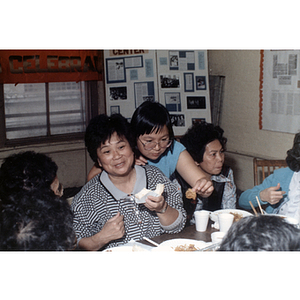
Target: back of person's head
101,128
261,233
26,171
151,117
198,136
293,155
37,221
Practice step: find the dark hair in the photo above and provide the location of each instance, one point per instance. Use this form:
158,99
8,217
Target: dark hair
293,155
26,171
101,128
198,136
261,233
151,117
37,221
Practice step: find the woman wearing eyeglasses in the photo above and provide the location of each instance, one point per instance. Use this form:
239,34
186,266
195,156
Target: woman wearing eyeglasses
156,145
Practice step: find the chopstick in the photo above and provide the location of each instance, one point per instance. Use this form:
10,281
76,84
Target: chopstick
261,210
253,208
150,241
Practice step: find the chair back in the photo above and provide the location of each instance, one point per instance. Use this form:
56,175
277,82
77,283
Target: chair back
262,168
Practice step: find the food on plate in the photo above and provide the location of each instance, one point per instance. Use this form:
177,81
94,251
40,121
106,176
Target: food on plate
159,189
236,216
185,247
190,194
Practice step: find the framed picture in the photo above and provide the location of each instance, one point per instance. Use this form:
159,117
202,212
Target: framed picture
196,102
200,82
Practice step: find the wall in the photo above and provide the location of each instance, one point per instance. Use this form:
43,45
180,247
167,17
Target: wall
240,114
71,157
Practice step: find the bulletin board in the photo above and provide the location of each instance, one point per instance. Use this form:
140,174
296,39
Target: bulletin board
177,79
280,91
184,86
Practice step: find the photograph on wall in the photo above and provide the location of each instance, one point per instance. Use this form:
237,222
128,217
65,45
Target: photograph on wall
114,109
143,91
182,60
172,101
195,102
177,120
188,82
169,81
200,83
115,71
198,120
118,93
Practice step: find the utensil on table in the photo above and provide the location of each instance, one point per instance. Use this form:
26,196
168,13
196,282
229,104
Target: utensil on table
150,241
253,208
261,210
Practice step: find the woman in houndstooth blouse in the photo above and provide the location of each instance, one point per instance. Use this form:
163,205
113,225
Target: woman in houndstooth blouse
105,214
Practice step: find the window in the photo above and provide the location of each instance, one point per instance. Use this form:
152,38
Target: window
45,110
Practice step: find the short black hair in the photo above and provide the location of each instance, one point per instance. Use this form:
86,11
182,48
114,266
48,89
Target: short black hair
199,135
26,171
101,128
293,155
261,233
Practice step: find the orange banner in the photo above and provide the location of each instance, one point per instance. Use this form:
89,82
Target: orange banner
35,66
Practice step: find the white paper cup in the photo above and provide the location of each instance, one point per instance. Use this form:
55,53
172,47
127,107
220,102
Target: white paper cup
217,237
225,221
201,219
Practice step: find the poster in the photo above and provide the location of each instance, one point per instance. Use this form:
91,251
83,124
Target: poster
280,91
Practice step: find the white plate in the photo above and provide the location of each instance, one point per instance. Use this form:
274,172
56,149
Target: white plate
214,215
170,245
131,246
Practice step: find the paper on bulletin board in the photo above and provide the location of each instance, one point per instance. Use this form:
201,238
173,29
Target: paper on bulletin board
280,90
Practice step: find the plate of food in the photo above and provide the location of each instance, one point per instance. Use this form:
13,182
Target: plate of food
181,245
237,213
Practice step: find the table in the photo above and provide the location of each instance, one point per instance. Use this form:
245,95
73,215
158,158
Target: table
187,233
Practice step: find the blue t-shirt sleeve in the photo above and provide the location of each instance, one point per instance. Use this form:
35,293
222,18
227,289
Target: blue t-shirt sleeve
167,163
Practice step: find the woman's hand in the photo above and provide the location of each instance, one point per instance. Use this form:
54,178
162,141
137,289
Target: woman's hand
271,194
166,214
113,229
155,203
203,187
141,161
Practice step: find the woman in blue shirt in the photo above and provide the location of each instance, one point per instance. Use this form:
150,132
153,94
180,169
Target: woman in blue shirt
156,145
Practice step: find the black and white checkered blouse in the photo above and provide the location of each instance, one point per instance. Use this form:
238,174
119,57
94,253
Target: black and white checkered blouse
99,200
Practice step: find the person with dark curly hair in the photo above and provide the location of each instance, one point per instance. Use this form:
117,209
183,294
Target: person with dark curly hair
33,216
206,144
280,190
106,211
35,221
26,172
261,233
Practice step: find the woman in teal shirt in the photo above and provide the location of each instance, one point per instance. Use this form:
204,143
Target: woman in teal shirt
156,145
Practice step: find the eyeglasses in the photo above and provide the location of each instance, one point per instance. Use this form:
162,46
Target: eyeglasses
165,143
